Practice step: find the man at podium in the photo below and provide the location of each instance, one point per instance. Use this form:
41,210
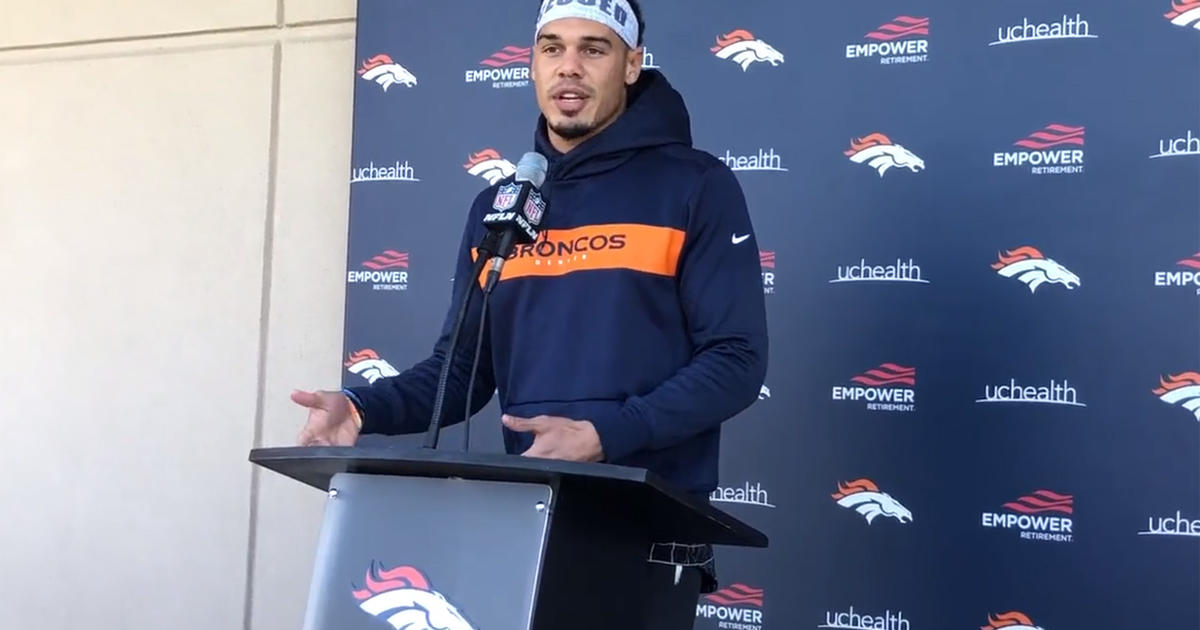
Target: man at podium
635,326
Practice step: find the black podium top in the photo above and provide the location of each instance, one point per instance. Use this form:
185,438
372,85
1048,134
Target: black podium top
673,515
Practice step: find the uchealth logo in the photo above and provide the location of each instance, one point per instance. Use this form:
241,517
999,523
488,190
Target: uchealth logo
648,59
1181,389
899,271
1042,515
858,620
489,165
404,598
395,172
1012,620
1175,525
865,497
762,160
387,271
766,260
367,364
1066,28
1047,151
381,69
745,494
882,154
505,68
1052,393
903,40
1185,13
1185,145
1188,276
736,607
888,387
1031,267
743,48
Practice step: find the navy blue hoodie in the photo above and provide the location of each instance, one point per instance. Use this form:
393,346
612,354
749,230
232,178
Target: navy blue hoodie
640,309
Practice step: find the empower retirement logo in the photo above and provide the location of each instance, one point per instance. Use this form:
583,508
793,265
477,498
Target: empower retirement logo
735,607
902,40
1041,515
1056,149
506,68
889,387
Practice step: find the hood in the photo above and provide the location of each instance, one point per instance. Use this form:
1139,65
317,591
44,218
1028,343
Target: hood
655,115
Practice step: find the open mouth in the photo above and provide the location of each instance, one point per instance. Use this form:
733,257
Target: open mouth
570,101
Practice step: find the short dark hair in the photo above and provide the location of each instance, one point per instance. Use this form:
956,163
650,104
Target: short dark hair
637,15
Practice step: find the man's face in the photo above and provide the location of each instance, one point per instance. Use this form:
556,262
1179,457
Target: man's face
580,70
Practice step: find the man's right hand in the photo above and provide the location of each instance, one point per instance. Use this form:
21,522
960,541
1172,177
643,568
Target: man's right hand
330,419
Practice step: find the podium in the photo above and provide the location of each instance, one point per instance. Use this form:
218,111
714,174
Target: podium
449,540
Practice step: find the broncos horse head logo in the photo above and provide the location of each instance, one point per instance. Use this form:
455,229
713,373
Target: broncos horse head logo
1012,620
1185,13
743,48
880,153
1181,389
367,364
402,596
864,497
382,70
1030,265
490,166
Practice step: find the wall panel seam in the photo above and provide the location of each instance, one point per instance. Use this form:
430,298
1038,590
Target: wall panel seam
264,327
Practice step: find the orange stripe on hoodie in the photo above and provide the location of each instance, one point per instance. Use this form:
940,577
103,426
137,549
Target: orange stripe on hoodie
636,247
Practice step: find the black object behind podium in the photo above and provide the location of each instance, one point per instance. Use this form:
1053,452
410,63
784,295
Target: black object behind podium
476,541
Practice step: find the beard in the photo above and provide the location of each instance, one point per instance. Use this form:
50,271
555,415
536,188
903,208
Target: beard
572,130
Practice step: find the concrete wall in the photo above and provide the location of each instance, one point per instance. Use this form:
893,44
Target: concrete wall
173,201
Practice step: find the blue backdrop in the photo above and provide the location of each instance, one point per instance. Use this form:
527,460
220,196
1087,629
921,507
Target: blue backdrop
980,226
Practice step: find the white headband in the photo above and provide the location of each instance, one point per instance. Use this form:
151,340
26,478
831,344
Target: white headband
615,14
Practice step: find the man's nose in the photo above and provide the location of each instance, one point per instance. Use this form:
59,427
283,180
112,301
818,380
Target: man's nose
570,64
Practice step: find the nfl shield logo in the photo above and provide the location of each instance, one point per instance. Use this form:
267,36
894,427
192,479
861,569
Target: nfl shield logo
506,197
534,207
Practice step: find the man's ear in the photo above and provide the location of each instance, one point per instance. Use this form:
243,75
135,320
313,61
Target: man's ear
633,67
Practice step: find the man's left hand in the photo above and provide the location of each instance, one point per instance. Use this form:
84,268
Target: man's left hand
559,438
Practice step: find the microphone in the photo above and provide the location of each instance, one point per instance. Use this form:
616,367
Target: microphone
518,210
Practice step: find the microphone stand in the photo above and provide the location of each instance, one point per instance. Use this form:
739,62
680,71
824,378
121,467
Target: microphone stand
487,292
466,292
494,248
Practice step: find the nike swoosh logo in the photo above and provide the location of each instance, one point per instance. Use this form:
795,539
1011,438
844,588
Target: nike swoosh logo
738,240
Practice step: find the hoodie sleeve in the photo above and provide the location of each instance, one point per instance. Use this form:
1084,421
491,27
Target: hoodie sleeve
404,403
720,289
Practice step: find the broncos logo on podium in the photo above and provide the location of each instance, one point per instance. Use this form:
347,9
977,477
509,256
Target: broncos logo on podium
402,596
864,497
880,153
1030,265
743,48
